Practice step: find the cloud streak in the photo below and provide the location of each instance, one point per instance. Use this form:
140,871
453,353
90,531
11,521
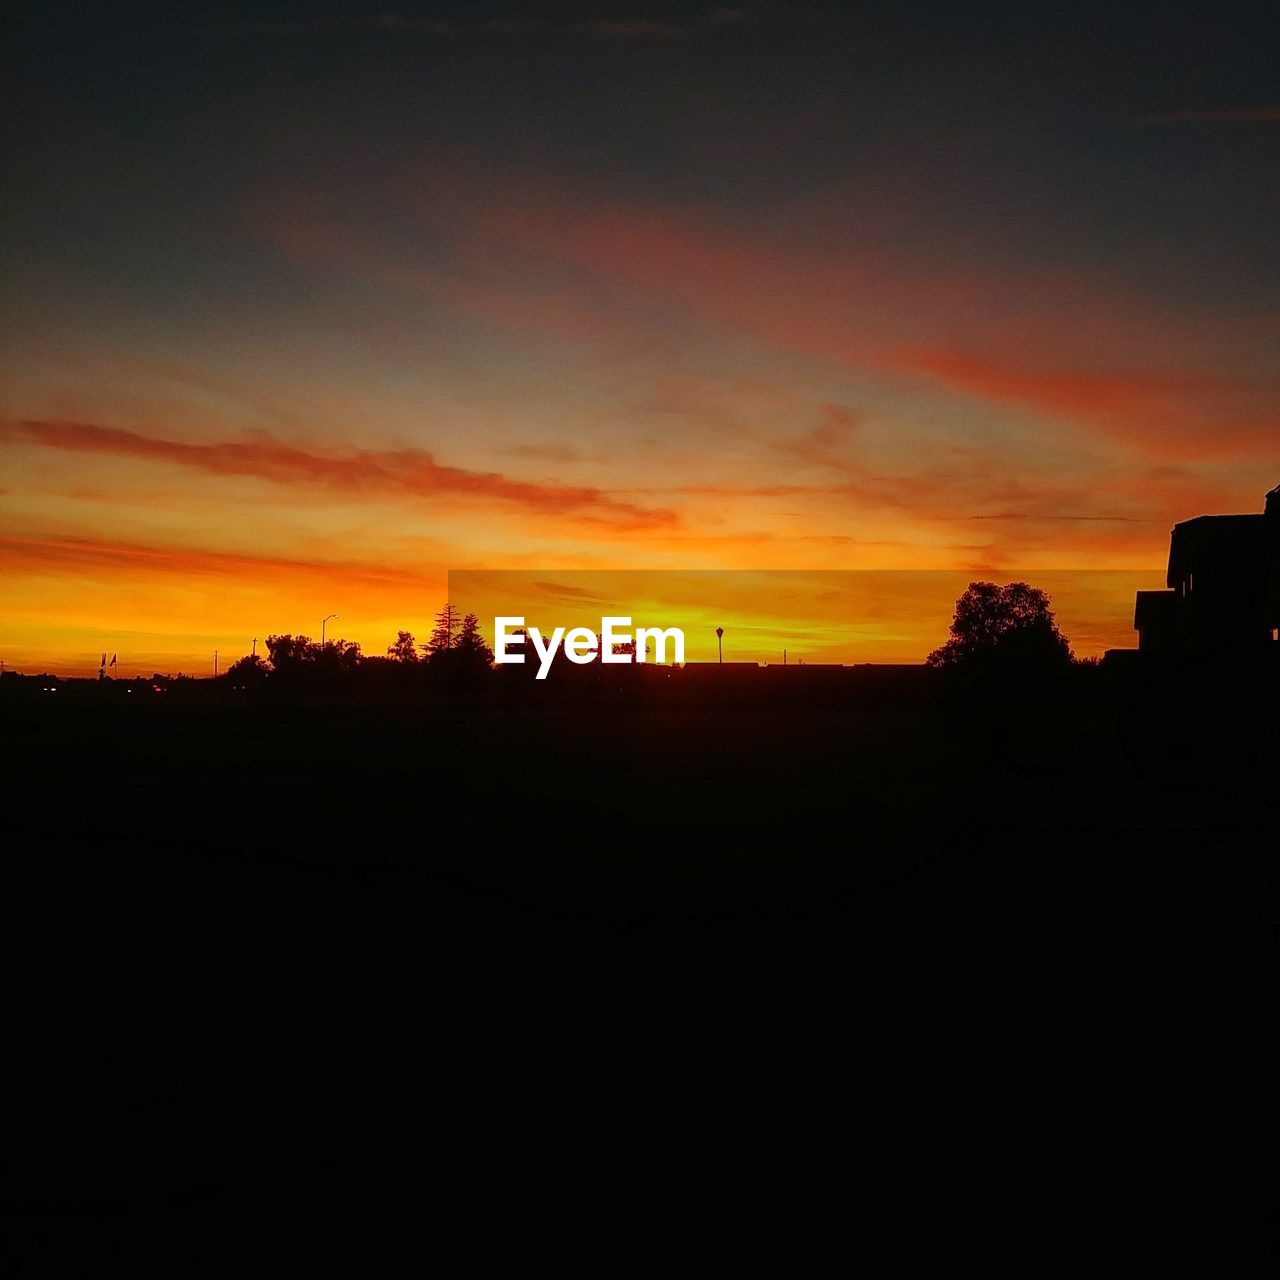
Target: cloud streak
405,471
1070,348
97,557
1170,416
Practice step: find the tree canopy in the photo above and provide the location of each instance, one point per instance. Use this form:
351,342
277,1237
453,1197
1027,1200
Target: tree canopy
1009,626
296,656
405,648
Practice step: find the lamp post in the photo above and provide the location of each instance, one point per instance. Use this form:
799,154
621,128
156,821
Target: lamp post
322,622
720,641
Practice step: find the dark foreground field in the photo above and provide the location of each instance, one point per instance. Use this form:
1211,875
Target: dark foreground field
513,975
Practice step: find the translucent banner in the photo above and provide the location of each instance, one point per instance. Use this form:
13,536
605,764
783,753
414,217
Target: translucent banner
783,616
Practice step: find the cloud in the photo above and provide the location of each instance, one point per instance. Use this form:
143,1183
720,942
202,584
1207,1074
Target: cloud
1023,515
546,452
1069,346
404,471
96,557
1185,392
1223,115
563,591
822,445
1174,416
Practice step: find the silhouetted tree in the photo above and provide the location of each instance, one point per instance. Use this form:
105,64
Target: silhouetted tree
299,657
1010,626
248,672
290,652
445,634
620,647
405,648
467,659
337,657
472,644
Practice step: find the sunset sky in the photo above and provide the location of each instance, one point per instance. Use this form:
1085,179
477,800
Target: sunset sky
305,306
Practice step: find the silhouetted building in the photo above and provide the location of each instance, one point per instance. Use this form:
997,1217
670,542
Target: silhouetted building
1223,587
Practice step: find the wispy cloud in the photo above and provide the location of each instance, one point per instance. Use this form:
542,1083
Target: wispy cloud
1073,348
1173,416
546,452
1023,515
405,471
95,557
824,443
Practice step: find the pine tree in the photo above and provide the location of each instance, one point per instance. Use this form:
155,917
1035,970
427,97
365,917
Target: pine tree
472,643
445,635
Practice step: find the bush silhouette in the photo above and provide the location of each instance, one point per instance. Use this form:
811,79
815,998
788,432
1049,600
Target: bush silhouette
249,672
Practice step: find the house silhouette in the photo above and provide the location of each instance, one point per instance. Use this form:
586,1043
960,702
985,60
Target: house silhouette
1223,587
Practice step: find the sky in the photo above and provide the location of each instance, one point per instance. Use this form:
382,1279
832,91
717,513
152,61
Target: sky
304,307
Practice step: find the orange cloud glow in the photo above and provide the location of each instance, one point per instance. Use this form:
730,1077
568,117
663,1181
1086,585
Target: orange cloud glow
410,471
617,385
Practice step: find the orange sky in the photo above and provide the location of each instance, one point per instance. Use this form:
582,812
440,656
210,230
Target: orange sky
663,320
656,397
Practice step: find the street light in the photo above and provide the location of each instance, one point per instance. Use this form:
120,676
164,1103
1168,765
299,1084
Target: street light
720,641
322,622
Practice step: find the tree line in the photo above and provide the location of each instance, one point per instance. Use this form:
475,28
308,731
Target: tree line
456,647
1010,627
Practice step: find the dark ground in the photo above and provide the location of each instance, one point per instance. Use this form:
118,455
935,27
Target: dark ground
287,982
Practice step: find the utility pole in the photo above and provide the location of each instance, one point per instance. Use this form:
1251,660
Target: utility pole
215,664
720,641
255,646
